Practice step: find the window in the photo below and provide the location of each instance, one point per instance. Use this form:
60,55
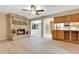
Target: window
34,26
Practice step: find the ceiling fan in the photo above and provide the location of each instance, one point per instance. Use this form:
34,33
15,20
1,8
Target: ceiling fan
33,10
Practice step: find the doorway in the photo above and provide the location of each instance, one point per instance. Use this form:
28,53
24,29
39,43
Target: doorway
41,28
36,28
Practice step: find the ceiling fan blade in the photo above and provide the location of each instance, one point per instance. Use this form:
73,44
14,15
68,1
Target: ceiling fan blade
26,10
39,10
37,13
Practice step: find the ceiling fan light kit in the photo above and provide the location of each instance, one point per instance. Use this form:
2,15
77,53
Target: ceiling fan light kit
33,10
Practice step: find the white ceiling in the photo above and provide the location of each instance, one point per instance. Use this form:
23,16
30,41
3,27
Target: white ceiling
49,9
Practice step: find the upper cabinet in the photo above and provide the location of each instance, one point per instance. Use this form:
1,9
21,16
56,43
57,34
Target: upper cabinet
75,17
60,19
67,18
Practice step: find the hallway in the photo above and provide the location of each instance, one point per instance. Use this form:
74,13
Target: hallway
37,45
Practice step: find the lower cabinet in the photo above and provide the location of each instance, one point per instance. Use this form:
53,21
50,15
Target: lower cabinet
74,36
54,34
66,35
60,34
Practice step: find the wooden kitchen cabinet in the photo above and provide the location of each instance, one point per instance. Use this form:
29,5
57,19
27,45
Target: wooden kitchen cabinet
60,19
72,18
60,34
67,35
54,34
78,36
69,18
75,18
72,34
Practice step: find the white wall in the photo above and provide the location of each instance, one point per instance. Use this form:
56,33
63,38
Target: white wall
47,25
3,27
